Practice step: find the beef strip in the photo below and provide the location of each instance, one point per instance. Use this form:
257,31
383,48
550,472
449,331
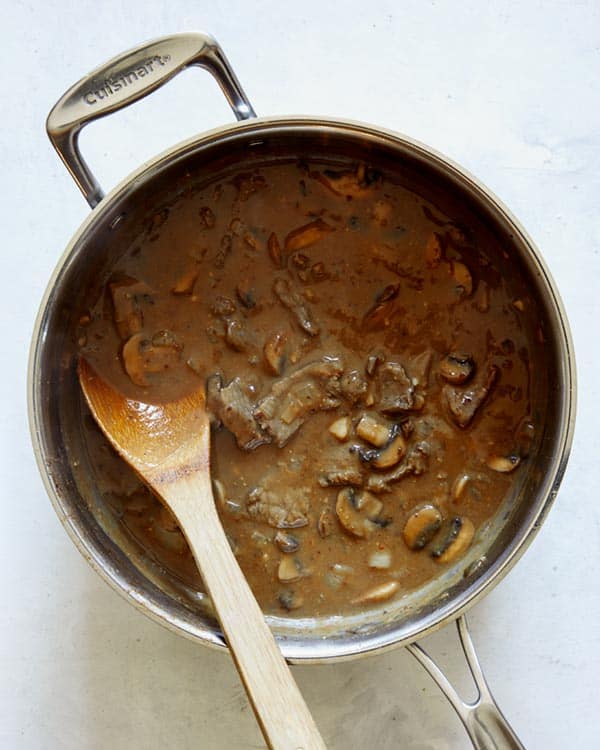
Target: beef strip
285,409
464,403
295,303
280,508
232,407
353,386
395,388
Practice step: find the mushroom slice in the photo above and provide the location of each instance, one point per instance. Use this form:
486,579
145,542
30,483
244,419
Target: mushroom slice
378,593
128,295
421,526
237,337
307,235
374,359
286,542
457,368
503,464
418,369
357,184
357,513
389,454
246,294
462,276
290,600
325,523
373,431
392,453
274,249
456,538
288,570
185,283
142,356
133,359
274,353
459,486
415,463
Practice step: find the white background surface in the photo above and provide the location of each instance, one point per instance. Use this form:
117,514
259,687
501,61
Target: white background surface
508,89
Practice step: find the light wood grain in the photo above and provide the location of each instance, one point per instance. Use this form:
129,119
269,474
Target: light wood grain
169,447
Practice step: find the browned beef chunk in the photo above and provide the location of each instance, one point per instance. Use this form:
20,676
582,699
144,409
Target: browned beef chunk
279,506
341,478
293,398
296,304
395,388
463,403
353,386
232,407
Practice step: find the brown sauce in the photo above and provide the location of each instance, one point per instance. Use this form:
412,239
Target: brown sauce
367,366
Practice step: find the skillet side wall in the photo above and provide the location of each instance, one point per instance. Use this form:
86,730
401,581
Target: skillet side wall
56,404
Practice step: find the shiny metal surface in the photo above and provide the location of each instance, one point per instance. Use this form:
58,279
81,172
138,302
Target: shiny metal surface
54,406
126,79
485,724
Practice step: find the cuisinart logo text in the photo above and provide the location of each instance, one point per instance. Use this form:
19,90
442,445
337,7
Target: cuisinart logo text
112,86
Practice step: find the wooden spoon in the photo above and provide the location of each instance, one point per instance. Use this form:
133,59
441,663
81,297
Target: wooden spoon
168,445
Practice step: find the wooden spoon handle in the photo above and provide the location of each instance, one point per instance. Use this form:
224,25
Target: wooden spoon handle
280,709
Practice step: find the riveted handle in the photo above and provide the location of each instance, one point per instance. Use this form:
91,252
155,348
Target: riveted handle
127,78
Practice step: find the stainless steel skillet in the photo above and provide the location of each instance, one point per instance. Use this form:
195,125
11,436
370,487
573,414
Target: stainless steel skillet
55,408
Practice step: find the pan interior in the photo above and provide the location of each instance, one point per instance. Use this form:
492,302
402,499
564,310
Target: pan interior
58,410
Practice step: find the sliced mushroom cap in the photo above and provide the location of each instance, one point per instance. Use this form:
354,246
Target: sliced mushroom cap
374,359
462,276
142,356
357,512
503,464
185,283
288,570
357,184
290,600
128,296
392,453
388,455
457,368
307,235
274,353
454,541
237,337
275,252
378,593
325,523
287,543
421,526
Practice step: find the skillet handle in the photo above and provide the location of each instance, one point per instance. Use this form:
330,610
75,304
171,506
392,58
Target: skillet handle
483,720
127,78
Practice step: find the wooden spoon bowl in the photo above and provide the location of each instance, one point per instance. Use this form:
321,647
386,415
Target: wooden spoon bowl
168,445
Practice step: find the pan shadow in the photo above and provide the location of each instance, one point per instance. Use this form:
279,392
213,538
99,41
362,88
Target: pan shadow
145,687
